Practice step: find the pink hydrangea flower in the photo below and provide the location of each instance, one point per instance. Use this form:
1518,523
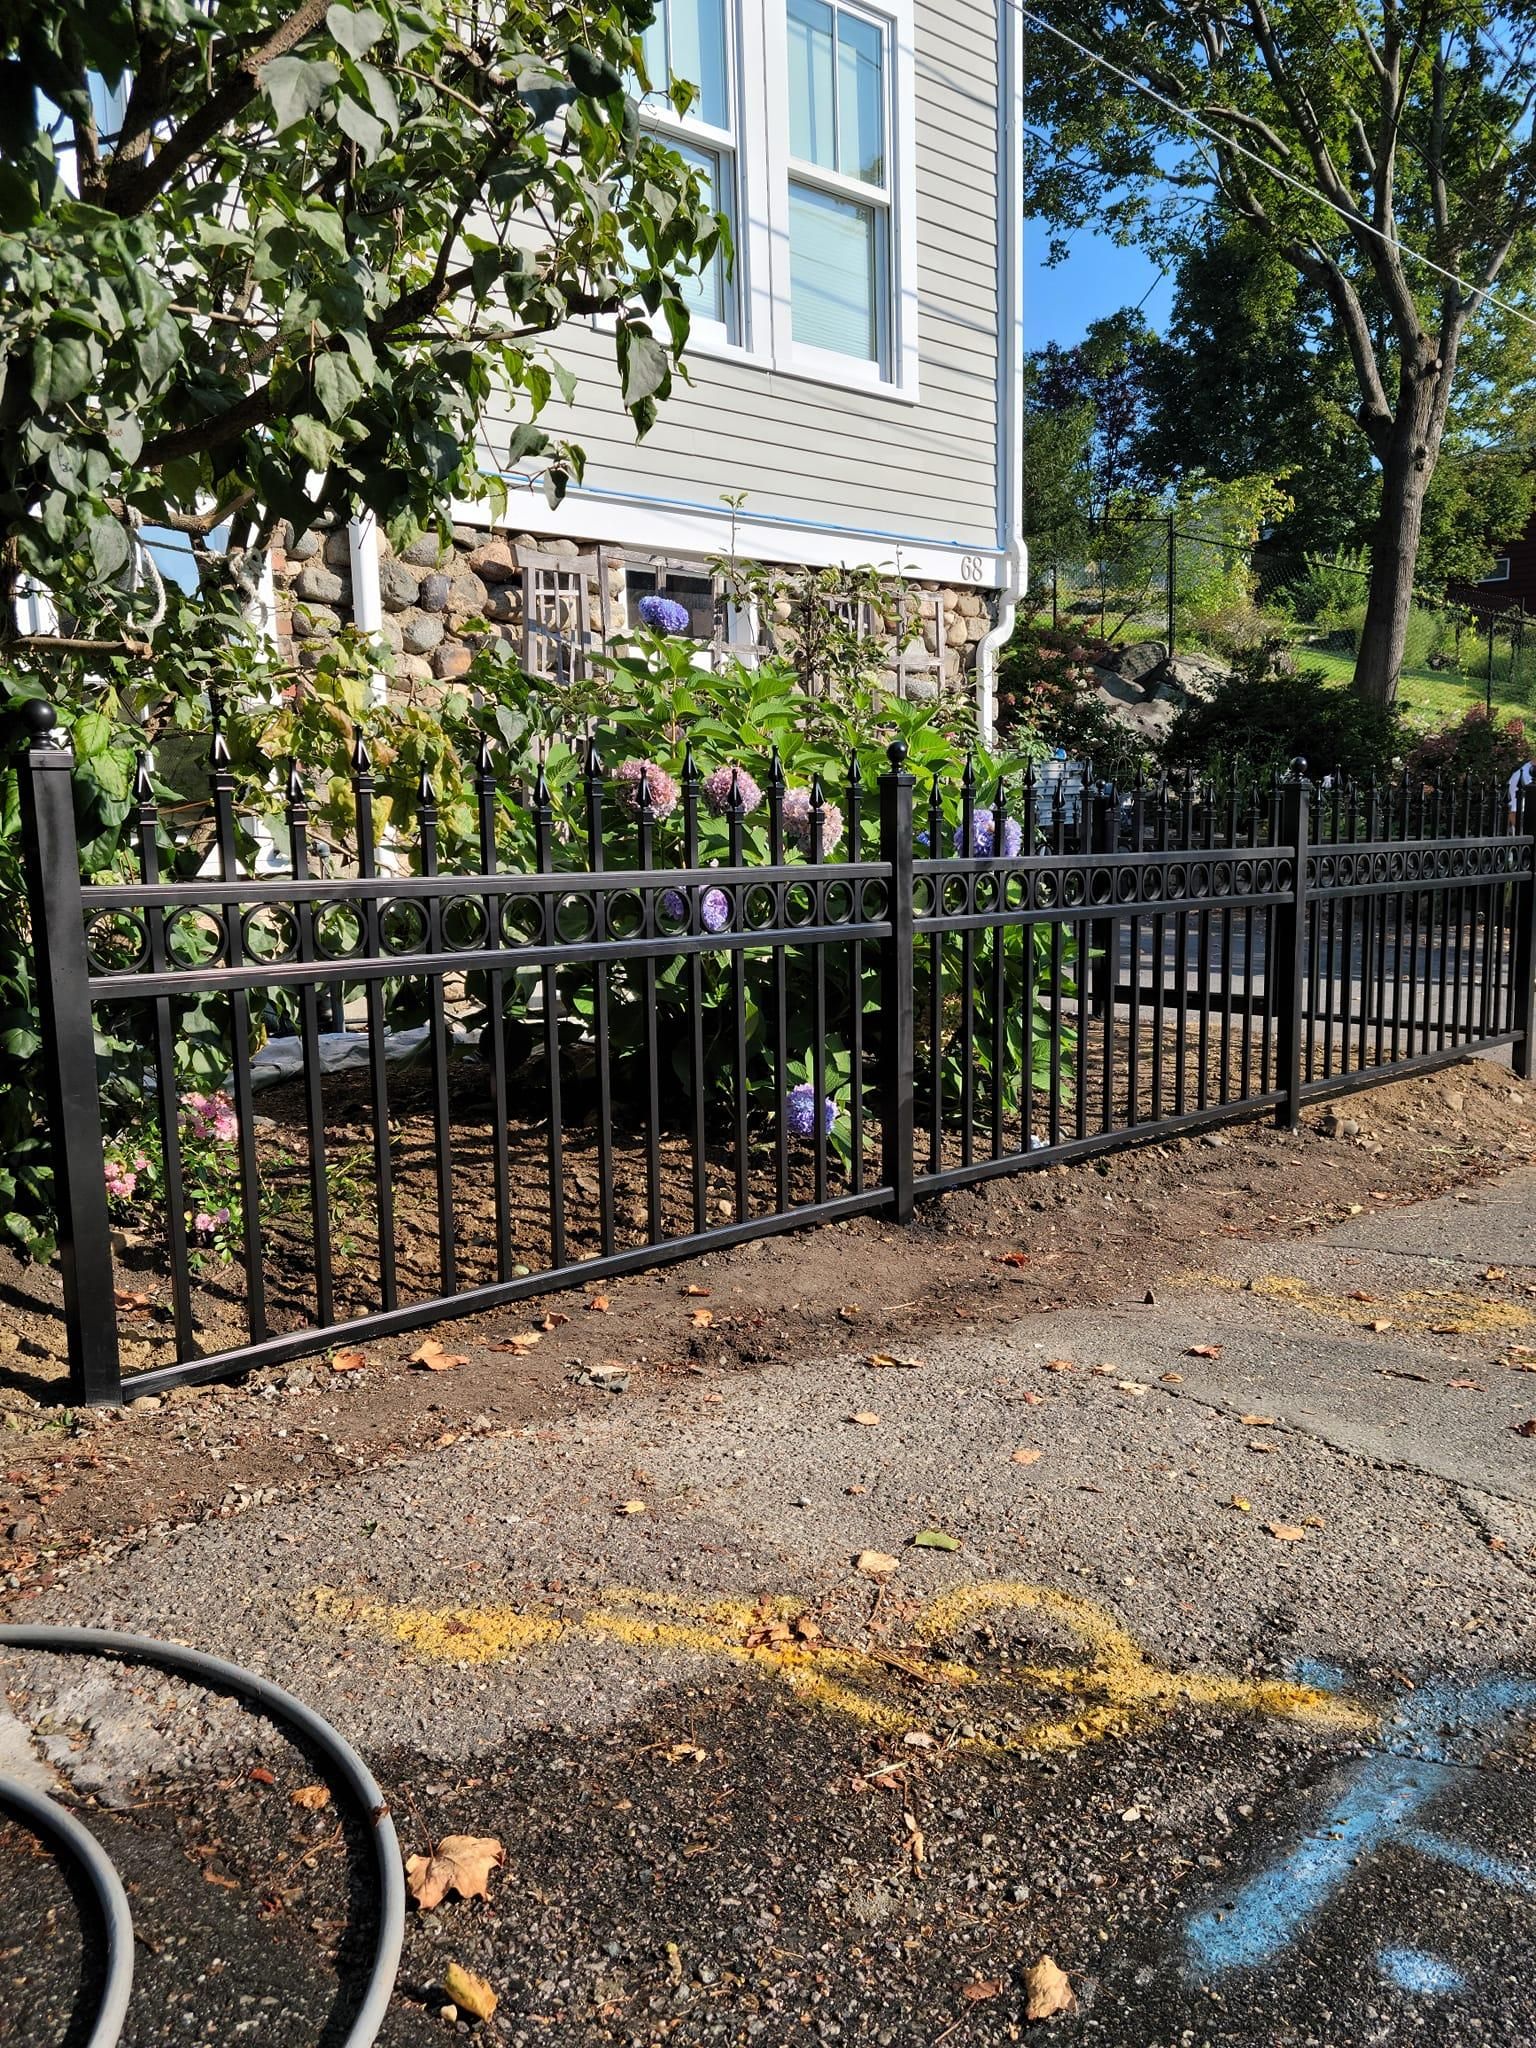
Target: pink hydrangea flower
659,786
797,822
717,790
120,1178
212,1116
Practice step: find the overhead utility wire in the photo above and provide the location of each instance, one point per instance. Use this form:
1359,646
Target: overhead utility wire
1355,220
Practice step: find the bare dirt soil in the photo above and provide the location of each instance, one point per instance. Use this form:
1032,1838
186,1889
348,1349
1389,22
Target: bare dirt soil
1096,1232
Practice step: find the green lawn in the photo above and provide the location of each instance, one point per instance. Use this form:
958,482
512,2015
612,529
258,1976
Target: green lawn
1433,698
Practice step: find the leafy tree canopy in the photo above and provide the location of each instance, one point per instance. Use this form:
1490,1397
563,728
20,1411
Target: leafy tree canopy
261,259
1337,130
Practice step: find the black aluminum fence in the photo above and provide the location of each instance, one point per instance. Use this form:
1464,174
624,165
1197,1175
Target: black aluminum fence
619,1064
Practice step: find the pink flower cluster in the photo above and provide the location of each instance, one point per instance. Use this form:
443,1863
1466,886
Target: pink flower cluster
717,790
797,822
122,1175
212,1116
659,786
206,1222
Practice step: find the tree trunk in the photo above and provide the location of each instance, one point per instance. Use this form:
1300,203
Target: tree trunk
1406,470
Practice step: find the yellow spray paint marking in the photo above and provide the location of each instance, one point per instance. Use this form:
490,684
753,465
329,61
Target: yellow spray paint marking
1114,1687
1420,1308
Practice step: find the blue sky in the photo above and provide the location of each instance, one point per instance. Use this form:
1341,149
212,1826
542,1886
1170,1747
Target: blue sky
1097,277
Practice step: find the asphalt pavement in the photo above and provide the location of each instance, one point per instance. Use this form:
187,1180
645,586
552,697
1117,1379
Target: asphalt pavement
1190,1642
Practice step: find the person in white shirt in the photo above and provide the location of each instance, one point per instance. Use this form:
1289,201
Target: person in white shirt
1521,780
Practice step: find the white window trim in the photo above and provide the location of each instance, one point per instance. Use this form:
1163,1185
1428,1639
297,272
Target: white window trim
897,377
1500,573
761,336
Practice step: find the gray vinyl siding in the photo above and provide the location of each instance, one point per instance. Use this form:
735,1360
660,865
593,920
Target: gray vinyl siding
814,453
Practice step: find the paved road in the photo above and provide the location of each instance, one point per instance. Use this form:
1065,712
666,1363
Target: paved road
1225,1700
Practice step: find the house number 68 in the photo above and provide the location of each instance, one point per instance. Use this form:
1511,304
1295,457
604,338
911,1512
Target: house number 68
970,568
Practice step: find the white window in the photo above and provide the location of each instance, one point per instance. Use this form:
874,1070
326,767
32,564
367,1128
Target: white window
1499,573
692,40
839,181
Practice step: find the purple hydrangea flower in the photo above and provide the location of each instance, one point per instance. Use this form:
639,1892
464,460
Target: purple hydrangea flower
984,835
665,614
797,822
800,1111
714,908
717,790
659,786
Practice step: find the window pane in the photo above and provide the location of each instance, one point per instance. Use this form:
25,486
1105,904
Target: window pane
653,41
833,290
861,99
812,112
704,295
698,54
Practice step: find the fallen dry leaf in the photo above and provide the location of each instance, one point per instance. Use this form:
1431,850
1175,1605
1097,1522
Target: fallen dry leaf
471,1994
348,1361
313,1798
260,1775
874,1564
980,1992
1013,1259
1286,1532
1258,1421
849,1312
130,1303
1047,1991
1060,1365
1378,1323
434,1358
683,1752
1203,1351
889,1358
630,1507
1025,1457
1032,1399
1527,1428
1171,1379
1242,1503
691,1289
1359,1294
519,1346
867,1416
460,1863
552,1321
701,1318
598,1305
1468,1386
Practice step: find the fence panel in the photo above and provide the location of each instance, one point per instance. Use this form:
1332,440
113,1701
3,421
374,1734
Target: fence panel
701,1012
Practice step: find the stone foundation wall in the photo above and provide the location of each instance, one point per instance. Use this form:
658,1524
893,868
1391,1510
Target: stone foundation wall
440,603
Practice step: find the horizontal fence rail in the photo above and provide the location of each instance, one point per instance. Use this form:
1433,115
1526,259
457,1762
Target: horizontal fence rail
421,1074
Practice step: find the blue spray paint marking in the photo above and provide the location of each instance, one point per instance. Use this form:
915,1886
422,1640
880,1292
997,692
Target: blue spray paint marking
1320,1674
1435,1729
1414,1969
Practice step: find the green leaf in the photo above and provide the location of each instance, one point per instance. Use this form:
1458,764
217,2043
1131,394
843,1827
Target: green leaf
296,86
73,369
313,440
643,363
107,540
90,734
356,28
355,121
337,385
935,1539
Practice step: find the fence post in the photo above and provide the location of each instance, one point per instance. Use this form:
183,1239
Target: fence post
1289,966
1523,1055
61,969
1104,967
1172,578
897,1053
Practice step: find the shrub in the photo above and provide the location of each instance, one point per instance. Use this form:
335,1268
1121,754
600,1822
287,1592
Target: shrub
1479,748
1264,718
1046,687
1330,588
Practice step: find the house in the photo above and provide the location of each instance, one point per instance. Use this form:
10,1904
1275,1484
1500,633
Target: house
855,380
1510,585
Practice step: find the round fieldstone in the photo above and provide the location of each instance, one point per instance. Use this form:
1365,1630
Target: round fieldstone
451,660
420,633
302,546
426,553
318,585
466,593
390,633
502,605
338,549
494,563
316,622
415,669
434,592
398,584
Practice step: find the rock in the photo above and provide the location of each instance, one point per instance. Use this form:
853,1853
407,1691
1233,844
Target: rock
467,536
302,546
392,634
338,549
434,591
494,562
319,585
1456,1102
426,553
502,604
450,661
1189,676
398,584
420,633
1136,661
146,1404
316,622
466,593
1215,1138
414,669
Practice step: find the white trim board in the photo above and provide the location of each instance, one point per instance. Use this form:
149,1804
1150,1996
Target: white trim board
702,531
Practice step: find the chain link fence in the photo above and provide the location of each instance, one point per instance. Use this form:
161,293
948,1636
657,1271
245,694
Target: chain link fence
1200,592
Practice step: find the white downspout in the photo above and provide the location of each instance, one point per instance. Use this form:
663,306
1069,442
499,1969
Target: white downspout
367,604
1010,361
